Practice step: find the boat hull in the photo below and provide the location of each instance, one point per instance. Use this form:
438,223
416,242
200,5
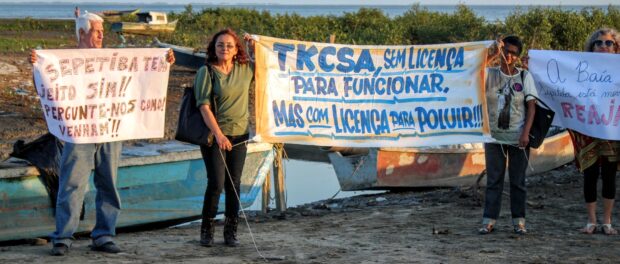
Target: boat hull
184,56
410,167
159,188
115,15
138,28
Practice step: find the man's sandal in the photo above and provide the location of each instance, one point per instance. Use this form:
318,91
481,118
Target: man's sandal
589,229
486,229
608,230
519,229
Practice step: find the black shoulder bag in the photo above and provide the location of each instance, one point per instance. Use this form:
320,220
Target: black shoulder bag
543,116
191,127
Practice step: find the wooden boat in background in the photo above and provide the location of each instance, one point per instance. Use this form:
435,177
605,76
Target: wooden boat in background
149,23
115,15
157,183
184,56
386,168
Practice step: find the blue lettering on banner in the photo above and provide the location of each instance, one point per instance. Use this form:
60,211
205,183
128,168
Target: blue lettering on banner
290,116
344,120
394,58
314,86
305,58
583,75
345,56
346,60
323,58
356,121
418,84
449,118
340,78
282,49
402,119
449,58
317,115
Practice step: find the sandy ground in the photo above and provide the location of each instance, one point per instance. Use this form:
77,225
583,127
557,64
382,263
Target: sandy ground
430,226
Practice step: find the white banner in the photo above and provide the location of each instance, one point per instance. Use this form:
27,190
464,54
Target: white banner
102,95
370,96
583,88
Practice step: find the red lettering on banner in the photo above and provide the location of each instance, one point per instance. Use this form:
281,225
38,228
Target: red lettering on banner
153,105
51,72
567,107
593,115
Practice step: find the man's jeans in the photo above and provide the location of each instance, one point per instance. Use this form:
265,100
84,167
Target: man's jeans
77,162
495,157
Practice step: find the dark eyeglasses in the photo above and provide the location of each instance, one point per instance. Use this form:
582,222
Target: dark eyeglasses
513,53
608,43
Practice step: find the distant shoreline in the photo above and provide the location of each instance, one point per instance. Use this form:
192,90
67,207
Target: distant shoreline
291,4
56,10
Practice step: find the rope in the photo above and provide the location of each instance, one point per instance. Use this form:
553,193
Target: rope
334,196
245,218
524,153
526,157
357,167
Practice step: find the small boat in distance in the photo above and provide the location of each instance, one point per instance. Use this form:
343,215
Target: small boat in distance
157,183
115,15
386,168
149,23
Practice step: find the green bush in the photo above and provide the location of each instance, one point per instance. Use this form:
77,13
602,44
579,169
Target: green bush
540,28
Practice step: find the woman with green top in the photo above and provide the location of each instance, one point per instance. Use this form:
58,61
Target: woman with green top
222,95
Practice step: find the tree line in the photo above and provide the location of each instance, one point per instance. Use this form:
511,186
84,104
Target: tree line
539,27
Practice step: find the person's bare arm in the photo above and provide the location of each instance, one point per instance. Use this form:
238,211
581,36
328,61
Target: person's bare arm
211,122
494,50
524,140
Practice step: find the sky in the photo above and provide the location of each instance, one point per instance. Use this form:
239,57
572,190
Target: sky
350,2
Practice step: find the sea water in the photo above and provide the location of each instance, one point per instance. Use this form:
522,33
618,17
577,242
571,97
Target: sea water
306,182
65,10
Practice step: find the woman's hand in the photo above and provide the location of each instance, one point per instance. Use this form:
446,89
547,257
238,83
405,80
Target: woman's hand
525,62
495,49
223,142
170,56
33,56
250,43
249,40
524,140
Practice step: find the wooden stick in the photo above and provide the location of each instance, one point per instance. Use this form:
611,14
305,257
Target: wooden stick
278,181
266,193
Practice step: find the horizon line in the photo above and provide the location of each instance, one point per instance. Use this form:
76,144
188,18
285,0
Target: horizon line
296,4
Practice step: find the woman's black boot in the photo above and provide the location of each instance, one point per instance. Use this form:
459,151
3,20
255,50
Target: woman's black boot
206,232
230,231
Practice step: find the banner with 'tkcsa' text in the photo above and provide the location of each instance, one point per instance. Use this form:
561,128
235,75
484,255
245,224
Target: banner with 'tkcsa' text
370,96
582,88
102,95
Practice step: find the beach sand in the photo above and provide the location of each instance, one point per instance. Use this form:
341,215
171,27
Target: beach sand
429,226
432,226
